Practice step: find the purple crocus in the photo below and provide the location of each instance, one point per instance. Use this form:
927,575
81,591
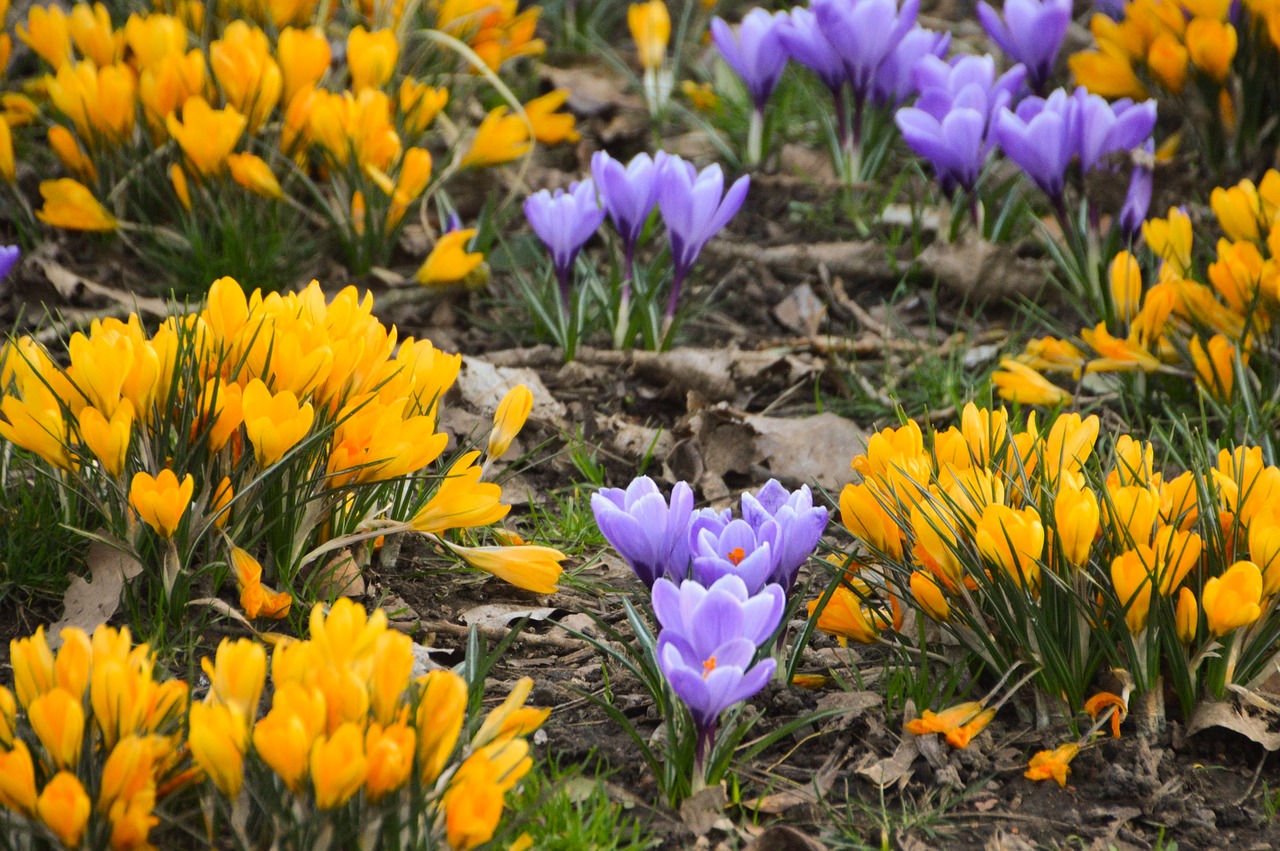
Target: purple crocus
1031,32
754,52
895,80
651,535
1137,201
1107,128
864,33
1042,137
800,526
709,637
695,207
564,221
735,549
9,255
629,194
951,123
805,43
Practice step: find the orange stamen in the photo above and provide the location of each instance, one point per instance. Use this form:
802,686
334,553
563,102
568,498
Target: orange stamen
708,666
736,555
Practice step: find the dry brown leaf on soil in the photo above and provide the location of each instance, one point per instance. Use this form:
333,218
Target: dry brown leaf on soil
779,837
703,811
483,385
73,288
779,802
892,769
498,615
1227,716
87,604
984,270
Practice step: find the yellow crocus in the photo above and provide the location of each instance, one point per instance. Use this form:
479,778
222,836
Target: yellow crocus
250,79
47,34
107,439
8,718
439,721
371,57
462,501
153,37
1131,579
161,500
389,754
236,675
1214,366
69,204
1264,547
1131,513
420,104
392,667
1211,44
472,804
71,668
1076,521
101,102
165,86
1013,540
1052,765
511,717
90,28
1022,385
551,127
1239,210
347,635
33,667
274,423
1168,60
57,719
1186,617
218,740
845,616
68,151
338,766
508,420
127,772
929,596
18,779
253,173
1052,354
500,138
1170,239
864,516
1233,599
64,808
449,260
285,735
304,56
532,568
206,135
8,168
650,25
1125,279
1107,72
415,174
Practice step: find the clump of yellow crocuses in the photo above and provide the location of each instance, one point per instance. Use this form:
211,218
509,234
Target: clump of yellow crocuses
264,432
170,125
96,752
1039,545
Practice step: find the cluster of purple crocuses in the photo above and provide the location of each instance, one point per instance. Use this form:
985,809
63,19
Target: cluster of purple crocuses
695,206
865,47
964,112
719,582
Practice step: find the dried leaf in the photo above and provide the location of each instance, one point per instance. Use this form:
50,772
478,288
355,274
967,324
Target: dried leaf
498,615
1228,717
703,811
802,311
886,772
783,838
89,604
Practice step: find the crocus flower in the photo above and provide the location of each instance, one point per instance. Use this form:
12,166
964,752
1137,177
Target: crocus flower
708,639
695,207
650,534
754,52
805,43
736,549
628,193
895,80
1106,128
1031,32
951,123
800,526
9,255
564,222
864,33
1137,200
1041,138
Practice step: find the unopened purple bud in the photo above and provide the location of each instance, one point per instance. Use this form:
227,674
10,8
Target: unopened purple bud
1137,201
9,255
804,41
864,33
1031,32
629,193
651,535
754,52
564,221
895,80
